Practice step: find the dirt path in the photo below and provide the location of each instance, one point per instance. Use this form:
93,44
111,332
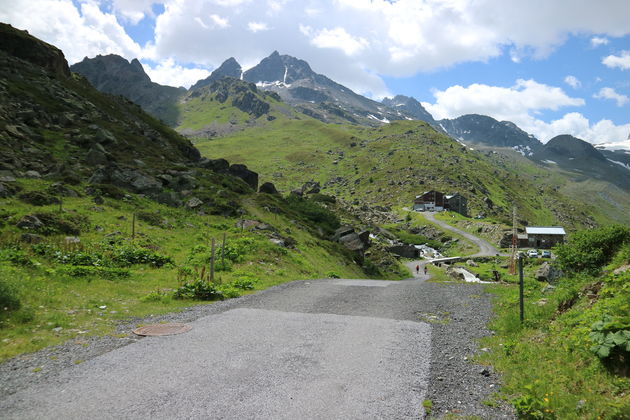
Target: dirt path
485,248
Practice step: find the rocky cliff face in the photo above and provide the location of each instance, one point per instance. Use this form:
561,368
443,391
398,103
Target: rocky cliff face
21,45
115,75
481,129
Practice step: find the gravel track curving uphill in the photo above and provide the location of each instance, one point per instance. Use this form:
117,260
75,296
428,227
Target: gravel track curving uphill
485,248
306,349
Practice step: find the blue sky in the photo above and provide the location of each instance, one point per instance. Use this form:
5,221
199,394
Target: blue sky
551,67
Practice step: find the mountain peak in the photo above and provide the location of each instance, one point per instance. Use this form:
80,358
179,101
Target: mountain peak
229,68
572,147
409,105
279,68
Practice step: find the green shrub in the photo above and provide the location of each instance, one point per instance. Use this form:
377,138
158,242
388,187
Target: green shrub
236,249
244,283
9,299
313,212
590,250
152,218
55,223
332,275
78,258
15,256
89,271
108,190
155,296
38,198
200,290
128,255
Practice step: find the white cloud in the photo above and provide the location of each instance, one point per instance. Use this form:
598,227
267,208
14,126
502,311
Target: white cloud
257,26
622,61
610,93
502,103
171,74
219,22
133,11
572,81
596,41
577,125
79,33
522,104
339,38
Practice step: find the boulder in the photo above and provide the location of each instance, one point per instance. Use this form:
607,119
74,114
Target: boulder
31,238
216,165
58,188
194,203
311,187
241,171
548,273
169,198
72,240
352,242
6,191
342,231
247,224
471,263
95,157
30,222
145,184
32,174
183,183
365,238
268,188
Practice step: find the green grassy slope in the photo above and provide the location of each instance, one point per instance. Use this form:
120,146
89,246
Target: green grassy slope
62,286
393,163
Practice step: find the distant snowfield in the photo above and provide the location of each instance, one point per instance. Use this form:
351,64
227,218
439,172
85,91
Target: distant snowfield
620,164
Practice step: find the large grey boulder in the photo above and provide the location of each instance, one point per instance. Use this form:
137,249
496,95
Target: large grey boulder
352,242
548,273
268,188
241,171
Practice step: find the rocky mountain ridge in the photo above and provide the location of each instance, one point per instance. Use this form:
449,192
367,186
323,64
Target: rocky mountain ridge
55,125
115,75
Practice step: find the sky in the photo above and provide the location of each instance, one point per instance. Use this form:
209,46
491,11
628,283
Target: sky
550,66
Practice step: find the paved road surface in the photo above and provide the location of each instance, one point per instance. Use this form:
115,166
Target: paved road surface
485,248
310,349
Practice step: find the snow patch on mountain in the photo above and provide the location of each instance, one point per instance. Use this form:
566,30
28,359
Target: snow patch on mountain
620,164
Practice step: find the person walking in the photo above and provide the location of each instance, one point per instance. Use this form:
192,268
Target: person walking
425,270
418,269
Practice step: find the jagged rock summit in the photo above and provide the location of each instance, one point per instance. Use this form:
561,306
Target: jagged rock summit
115,75
229,68
484,130
411,107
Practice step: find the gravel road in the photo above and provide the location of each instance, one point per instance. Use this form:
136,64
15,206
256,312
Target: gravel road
485,248
306,349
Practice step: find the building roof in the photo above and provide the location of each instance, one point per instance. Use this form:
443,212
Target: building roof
545,230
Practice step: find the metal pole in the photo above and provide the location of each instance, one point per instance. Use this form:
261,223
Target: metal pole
520,288
212,263
223,251
133,226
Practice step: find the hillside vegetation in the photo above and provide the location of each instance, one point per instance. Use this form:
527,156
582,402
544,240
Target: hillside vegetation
391,164
570,357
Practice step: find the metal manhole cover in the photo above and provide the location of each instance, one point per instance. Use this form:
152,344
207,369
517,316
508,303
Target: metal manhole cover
162,329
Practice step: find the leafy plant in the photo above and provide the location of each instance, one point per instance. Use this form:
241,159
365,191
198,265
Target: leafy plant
531,407
611,340
128,255
244,283
9,299
200,290
15,256
37,198
87,271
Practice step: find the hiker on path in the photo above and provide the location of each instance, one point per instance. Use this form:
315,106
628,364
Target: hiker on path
417,269
425,270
